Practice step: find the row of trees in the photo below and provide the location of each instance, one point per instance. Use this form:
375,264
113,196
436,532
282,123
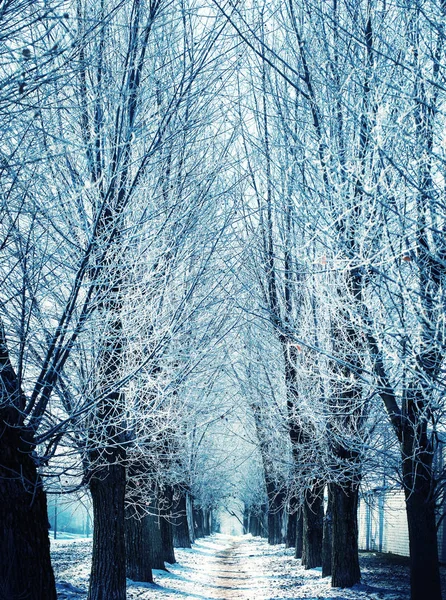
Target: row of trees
220,219
111,223
345,241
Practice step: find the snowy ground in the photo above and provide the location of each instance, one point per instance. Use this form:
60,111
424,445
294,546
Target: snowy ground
236,568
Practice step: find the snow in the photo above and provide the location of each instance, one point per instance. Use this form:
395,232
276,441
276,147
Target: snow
235,567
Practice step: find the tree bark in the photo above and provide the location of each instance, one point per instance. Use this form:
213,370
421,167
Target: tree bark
345,560
25,565
166,525
313,519
211,521
190,517
108,569
138,553
198,522
246,521
167,540
254,526
292,523
276,501
181,536
421,519
206,521
327,541
153,528
424,571
299,534
275,527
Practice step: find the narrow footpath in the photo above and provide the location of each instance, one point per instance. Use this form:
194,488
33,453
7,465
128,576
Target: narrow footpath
232,581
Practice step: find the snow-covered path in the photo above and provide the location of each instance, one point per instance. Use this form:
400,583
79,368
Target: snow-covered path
213,569
231,579
235,568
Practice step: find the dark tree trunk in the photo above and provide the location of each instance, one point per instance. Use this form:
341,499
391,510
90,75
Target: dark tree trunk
313,524
299,534
137,542
257,520
275,513
246,516
211,522
153,528
275,527
254,526
166,525
181,536
138,536
261,530
167,540
108,568
263,521
190,518
327,541
424,571
198,522
421,520
206,522
291,527
25,566
345,561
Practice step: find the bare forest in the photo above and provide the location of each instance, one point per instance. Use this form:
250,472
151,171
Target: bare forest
223,287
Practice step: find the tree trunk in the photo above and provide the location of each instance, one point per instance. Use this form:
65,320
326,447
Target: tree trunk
254,527
108,568
181,535
246,518
275,527
166,525
345,561
211,522
153,529
25,565
206,522
424,571
327,541
292,523
167,540
138,553
299,534
198,522
190,517
421,520
261,531
263,521
276,501
313,520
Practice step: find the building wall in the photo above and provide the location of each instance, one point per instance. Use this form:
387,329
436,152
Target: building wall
382,524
